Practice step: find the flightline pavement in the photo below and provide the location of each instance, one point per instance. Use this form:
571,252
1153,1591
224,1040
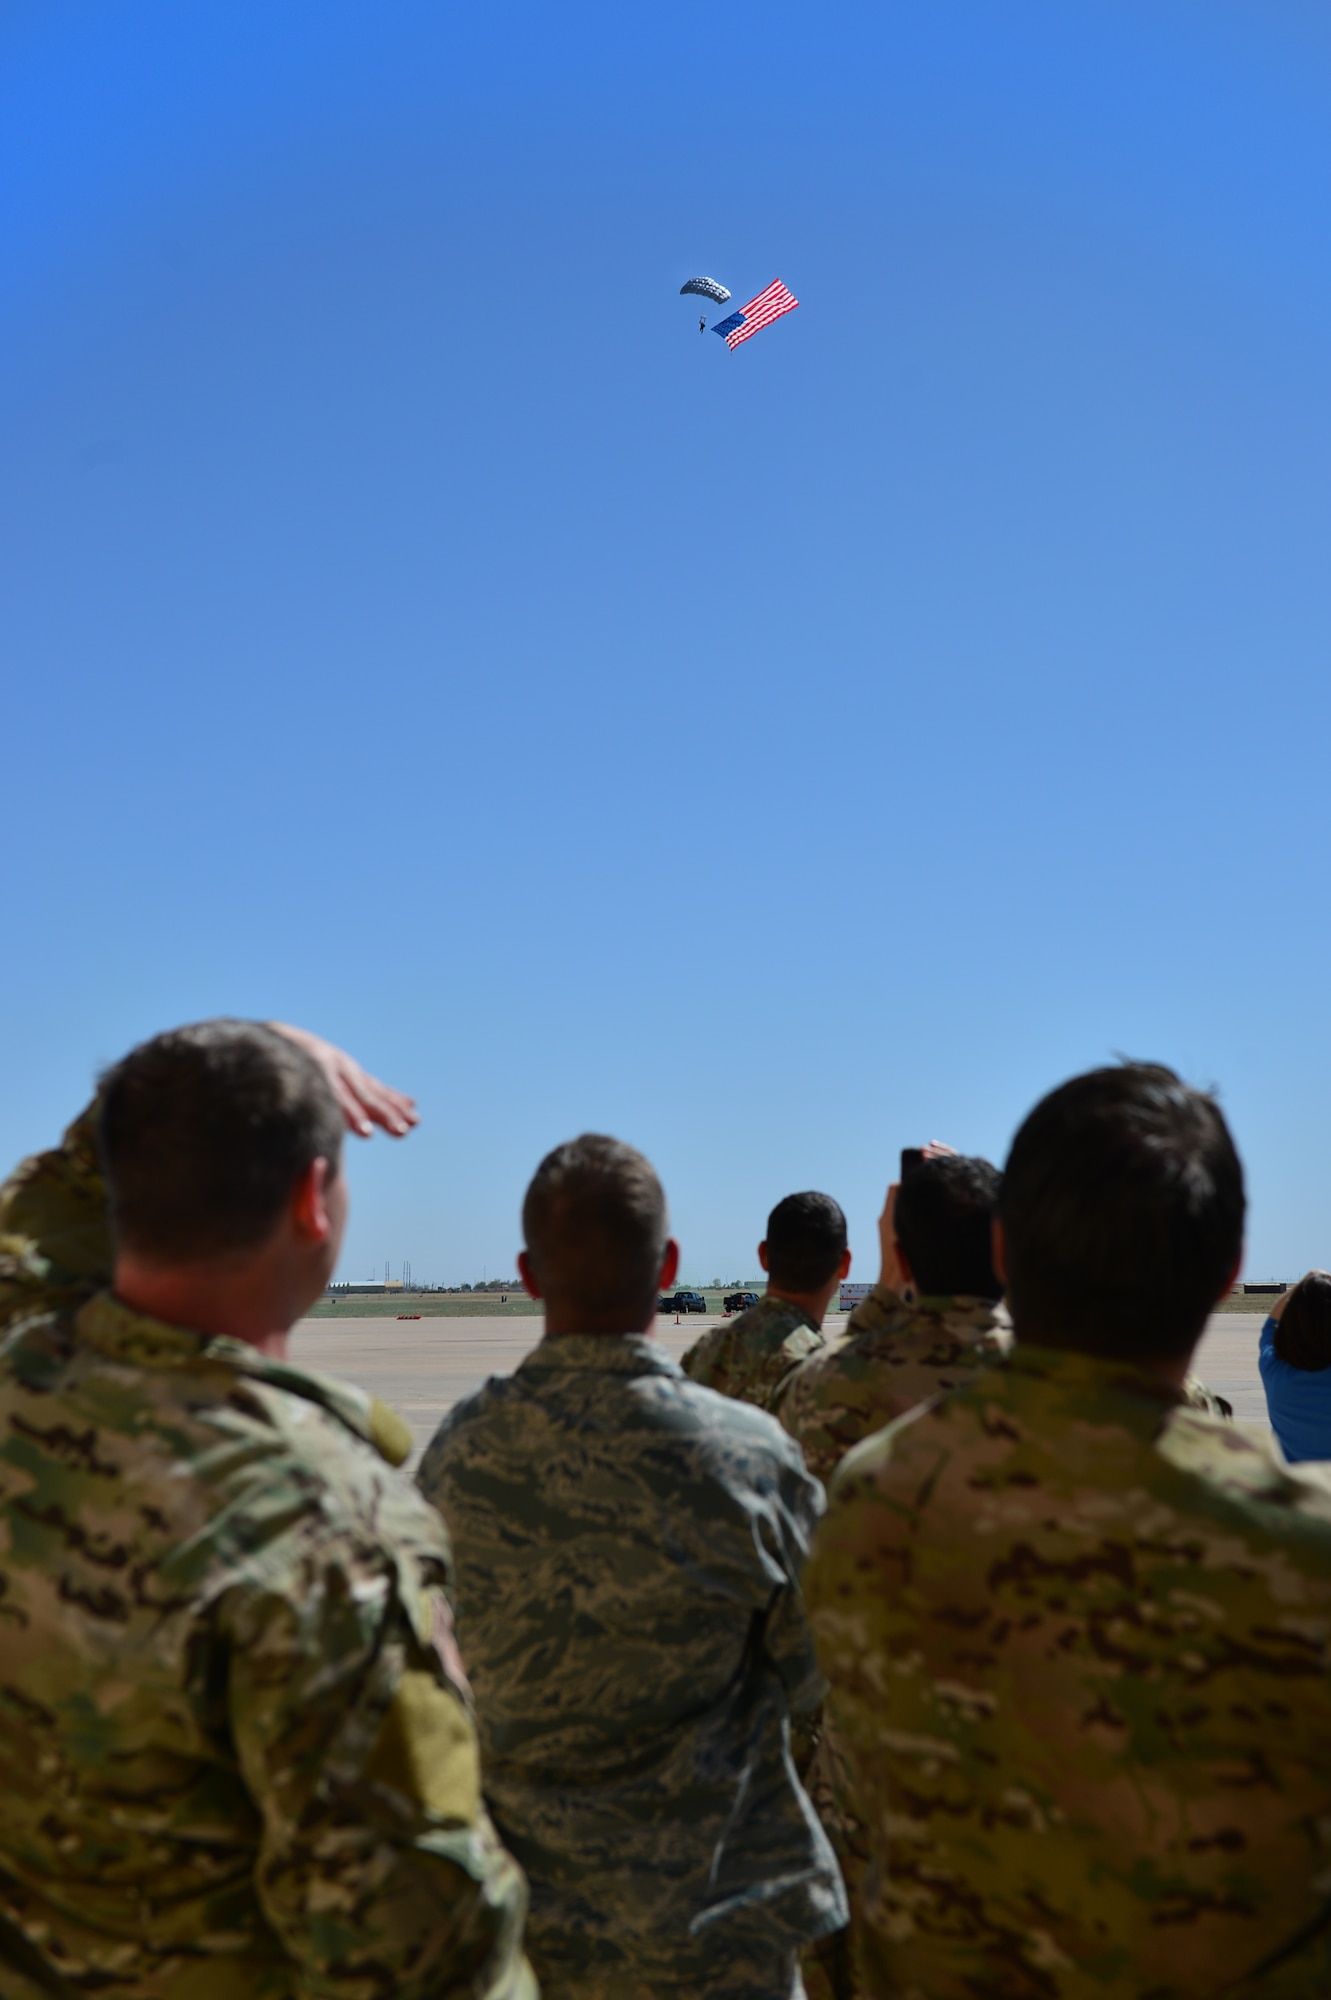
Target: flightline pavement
423,1366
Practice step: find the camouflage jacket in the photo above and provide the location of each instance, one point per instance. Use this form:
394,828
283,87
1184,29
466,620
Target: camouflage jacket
628,1553
894,1354
751,1355
231,1760
1078,1636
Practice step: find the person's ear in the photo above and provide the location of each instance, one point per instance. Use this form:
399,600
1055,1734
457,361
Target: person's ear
528,1276
998,1251
669,1266
310,1211
762,1255
843,1267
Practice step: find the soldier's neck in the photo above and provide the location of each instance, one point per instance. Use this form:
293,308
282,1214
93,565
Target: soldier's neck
815,1304
1174,1368
244,1300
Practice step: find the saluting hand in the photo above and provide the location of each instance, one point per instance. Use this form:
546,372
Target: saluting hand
364,1101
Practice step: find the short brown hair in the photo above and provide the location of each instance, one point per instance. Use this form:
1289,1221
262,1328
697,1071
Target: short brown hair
1122,1207
1303,1331
806,1240
944,1223
594,1221
203,1134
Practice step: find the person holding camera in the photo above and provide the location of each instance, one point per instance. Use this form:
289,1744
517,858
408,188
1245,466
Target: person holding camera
929,1322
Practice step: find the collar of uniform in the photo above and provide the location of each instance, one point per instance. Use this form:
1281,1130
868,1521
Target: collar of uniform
137,1339
1089,1375
125,1335
957,1308
604,1353
771,1305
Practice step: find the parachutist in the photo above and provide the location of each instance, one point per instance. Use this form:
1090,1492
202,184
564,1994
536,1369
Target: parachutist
702,324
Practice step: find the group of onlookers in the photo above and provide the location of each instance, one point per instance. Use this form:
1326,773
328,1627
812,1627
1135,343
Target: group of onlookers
1035,1702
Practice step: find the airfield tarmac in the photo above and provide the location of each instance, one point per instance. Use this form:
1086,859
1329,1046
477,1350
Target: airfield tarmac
422,1367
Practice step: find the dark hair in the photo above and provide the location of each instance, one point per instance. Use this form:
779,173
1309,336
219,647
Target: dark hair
1122,1207
944,1223
1303,1331
203,1134
806,1240
594,1221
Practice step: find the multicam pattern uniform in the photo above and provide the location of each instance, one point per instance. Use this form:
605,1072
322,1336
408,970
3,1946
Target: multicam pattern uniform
753,1355
1079,1642
231,1761
894,1354
628,1554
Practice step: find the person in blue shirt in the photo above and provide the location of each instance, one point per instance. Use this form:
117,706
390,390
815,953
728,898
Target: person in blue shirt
1295,1360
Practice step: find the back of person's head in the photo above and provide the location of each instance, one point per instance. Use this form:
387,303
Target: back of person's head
1303,1331
1122,1207
806,1240
944,1222
594,1222
204,1133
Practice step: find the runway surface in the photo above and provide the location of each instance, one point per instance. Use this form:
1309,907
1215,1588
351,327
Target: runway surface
422,1367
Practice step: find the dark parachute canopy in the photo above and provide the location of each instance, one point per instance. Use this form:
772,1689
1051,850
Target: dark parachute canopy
706,288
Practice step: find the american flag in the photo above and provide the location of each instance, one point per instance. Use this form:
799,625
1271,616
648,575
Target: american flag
757,314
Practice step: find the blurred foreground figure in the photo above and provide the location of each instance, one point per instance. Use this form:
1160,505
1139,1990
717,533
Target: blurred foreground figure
236,1750
628,1549
1079,1632
928,1323
805,1257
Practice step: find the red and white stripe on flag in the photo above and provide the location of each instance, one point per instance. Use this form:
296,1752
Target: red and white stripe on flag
760,312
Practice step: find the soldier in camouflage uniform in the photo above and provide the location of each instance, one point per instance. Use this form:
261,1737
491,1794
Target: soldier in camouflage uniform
629,1548
1078,1632
237,1758
929,1322
898,1349
805,1257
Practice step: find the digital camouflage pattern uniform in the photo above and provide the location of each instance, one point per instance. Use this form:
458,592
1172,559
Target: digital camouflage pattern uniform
1078,1636
628,1556
750,1356
894,1354
232,1763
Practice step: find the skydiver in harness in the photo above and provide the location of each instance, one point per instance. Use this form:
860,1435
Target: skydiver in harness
702,323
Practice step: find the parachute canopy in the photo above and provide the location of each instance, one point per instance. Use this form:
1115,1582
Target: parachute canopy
706,288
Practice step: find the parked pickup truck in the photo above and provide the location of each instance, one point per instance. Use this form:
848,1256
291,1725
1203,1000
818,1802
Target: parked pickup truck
738,1302
682,1302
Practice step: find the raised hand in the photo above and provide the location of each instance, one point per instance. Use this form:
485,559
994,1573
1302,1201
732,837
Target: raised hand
362,1099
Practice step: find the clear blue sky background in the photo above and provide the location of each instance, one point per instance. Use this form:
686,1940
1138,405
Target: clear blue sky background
411,627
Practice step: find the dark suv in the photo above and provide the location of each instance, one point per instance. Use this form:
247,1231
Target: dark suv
738,1302
682,1302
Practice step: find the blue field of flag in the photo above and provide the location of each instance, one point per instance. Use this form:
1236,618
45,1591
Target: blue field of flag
725,326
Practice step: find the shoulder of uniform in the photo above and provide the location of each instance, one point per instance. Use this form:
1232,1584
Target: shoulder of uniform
340,1465
739,1432
41,1340
866,1461
825,1364
1243,1461
366,1417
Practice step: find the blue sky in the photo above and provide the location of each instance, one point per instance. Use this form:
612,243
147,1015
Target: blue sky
411,627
